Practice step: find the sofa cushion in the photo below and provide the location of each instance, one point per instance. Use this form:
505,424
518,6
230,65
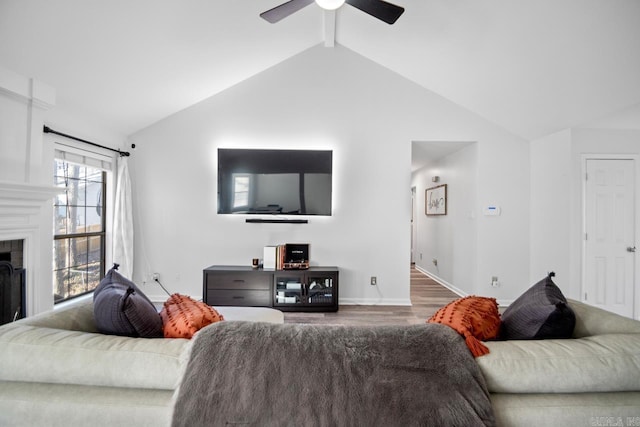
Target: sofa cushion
182,316
541,312
120,308
600,363
475,318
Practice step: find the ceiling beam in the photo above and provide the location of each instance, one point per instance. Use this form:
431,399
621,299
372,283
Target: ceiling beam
329,19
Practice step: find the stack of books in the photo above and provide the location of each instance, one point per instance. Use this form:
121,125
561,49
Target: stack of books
289,256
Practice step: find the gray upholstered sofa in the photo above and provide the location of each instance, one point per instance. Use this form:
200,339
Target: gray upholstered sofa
55,369
592,379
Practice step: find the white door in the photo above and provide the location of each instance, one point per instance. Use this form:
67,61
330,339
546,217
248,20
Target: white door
609,235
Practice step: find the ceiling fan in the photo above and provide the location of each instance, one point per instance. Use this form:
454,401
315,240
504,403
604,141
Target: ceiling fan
380,9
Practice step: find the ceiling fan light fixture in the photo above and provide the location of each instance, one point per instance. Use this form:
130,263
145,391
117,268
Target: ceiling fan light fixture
330,4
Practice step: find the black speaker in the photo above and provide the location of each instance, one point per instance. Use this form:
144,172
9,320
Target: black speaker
296,256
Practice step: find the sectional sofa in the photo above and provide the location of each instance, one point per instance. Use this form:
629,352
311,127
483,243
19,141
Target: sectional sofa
56,369
590,380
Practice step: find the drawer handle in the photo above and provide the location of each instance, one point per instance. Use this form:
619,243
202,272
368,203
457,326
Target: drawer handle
238,280
238,297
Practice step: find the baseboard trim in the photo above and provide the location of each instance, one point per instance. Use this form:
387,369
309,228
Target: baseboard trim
158,300
505,302
460,292
161,298
443,282
375,301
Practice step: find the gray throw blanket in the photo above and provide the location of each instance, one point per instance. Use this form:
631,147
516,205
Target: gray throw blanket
260,374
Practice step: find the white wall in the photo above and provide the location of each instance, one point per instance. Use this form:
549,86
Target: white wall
503,241
24,102
556,198
323,98
551,203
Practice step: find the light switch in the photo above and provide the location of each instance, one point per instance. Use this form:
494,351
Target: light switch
491,210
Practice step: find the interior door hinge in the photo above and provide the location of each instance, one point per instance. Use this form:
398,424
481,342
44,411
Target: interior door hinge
586,176
585,296
586,236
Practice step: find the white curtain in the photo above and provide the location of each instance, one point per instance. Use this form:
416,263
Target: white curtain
123,221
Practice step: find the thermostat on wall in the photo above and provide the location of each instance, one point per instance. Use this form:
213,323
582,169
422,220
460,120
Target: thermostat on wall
491,210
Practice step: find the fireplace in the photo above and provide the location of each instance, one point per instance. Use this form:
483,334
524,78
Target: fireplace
12,281
12,251
12,292
25,243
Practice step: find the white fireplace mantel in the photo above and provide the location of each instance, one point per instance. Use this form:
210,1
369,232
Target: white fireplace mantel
25,212
22,192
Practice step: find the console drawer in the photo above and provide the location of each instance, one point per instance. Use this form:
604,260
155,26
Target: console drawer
255,280
239,297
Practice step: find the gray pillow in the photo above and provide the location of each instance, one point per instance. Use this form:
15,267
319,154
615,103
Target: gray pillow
120,308
539,313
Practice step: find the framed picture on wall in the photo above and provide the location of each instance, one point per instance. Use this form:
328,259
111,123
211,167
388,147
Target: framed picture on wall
435,200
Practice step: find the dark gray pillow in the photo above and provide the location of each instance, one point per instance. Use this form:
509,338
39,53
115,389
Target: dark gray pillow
120,308
541,312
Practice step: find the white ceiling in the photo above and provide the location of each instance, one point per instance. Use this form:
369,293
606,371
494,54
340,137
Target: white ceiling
530,66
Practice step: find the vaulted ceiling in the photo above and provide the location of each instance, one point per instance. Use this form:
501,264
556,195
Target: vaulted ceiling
530,66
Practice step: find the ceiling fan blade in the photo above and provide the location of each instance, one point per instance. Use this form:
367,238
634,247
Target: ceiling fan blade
380,9
285,9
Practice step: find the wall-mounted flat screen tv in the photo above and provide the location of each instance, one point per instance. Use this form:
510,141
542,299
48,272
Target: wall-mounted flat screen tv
276,182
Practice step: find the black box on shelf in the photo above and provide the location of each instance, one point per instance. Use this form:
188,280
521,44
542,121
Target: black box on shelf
296,256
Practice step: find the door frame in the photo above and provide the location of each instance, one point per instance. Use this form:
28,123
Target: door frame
636,266
414,231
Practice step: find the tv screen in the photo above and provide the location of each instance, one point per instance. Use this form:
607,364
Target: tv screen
277,182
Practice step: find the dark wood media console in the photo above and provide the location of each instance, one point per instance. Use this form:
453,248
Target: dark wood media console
313,289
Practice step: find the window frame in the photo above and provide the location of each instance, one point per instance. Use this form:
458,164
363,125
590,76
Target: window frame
106,164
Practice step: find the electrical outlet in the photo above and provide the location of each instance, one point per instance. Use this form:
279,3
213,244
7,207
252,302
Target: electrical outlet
435,261
494,281
155,277
374,281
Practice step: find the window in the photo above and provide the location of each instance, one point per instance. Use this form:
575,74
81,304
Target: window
79,229
241,185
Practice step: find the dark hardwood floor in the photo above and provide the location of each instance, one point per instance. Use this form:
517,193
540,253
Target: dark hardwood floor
427,296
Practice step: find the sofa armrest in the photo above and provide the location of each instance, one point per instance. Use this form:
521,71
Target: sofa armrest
75,317
35,354
596,321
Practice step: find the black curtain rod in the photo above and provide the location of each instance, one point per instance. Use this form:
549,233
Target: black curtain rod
47,129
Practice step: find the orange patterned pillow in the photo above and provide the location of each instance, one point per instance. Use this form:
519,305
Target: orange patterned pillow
475,318
182,316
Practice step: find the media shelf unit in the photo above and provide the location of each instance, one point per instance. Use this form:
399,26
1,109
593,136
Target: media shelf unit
312,289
